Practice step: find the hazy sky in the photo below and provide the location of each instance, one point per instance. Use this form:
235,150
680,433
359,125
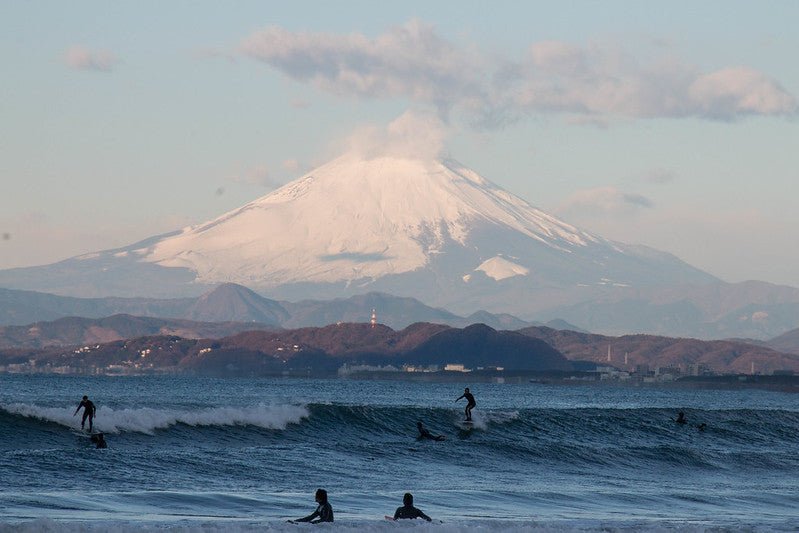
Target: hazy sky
670,124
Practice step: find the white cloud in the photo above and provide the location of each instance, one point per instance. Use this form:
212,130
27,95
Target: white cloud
603,201
740,90
81,58
590,82
413,134
602,80
408,61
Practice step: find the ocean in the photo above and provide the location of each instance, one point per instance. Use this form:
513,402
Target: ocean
191,454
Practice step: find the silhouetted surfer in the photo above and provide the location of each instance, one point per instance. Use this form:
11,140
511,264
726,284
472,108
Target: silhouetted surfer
425,434
323,513
88,412
470,403
99,440
681,418
408,510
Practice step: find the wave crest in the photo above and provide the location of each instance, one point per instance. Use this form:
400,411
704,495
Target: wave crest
147,420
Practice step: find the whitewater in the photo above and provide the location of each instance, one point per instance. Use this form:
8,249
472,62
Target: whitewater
193,454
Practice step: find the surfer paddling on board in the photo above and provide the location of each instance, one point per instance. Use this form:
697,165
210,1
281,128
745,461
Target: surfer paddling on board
470,403
88,412
99,440
424,433
408,510
323,513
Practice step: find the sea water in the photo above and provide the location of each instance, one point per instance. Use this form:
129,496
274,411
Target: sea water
200,454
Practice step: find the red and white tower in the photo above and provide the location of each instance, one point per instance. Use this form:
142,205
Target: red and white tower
374,318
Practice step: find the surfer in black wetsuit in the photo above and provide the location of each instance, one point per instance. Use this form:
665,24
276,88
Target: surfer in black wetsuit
425,434
470,403
88,412
408,510
681,418
323,513
99,440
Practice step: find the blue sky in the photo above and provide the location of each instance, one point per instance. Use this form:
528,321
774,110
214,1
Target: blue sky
667,124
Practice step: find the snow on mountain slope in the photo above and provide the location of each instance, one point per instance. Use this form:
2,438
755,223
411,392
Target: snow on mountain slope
357,218
499,268
406,224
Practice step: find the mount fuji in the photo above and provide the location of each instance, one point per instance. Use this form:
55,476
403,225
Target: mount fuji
429,229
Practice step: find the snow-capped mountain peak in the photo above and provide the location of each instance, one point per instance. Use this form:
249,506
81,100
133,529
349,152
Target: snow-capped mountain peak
357,218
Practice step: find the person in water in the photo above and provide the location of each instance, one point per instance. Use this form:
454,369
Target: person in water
99,440
471,404
408,510
323,513
88,412
424,433
681,418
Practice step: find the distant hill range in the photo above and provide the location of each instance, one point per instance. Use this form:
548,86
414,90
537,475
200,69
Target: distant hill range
314,351
322,350
629,351
79,331
787,342
228,303
707,312
750,309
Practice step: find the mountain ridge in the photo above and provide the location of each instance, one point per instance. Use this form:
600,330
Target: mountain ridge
318,350
325,349
230,303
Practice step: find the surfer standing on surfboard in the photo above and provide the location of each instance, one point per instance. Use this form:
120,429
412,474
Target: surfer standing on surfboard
88,412
470,403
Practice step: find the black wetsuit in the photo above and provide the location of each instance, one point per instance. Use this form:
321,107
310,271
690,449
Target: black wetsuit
324,513
88,412
471,404
409,511
425,434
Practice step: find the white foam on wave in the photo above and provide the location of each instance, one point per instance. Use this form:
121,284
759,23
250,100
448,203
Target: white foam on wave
481,419
60,415
147,420
361,526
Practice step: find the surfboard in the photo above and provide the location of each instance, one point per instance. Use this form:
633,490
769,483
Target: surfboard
465,426
389,518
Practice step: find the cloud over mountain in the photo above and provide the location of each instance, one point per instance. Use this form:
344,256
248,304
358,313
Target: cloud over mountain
604,200
598,80
81,58
413,135
410,60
